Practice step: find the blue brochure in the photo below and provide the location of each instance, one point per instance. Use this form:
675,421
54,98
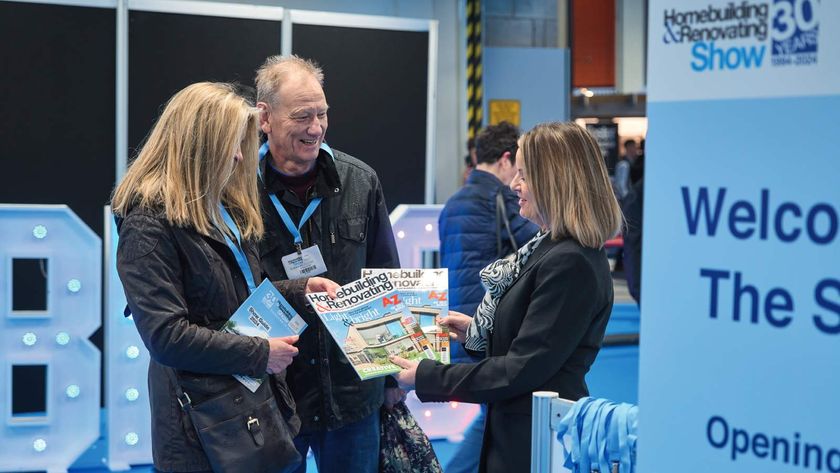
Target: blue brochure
267,314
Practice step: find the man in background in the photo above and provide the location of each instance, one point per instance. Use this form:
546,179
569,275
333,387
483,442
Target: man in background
469,161
478,225
622,180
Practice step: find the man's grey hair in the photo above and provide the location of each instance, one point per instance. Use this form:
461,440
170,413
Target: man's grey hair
276,69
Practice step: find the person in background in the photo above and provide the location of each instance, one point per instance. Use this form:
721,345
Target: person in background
327,207
637,170
469,160
182,280
633,212
473,235
543,317
622,170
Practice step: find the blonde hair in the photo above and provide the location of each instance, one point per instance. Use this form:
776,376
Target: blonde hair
186,166
569,183
276,69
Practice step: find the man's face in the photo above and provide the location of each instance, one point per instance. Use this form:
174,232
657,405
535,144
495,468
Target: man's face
297,124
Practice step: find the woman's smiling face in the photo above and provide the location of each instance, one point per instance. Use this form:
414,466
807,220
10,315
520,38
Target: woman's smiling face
527,207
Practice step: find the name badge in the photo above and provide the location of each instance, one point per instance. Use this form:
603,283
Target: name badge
308,262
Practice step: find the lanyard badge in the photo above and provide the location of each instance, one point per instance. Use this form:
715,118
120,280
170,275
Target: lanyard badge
304,262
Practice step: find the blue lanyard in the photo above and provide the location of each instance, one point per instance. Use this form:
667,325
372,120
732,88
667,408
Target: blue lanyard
287,220
602,435
632,437
587,435
613,448
281,211
241,260
575,418
623,444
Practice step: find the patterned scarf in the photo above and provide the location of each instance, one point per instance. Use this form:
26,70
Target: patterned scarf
496,279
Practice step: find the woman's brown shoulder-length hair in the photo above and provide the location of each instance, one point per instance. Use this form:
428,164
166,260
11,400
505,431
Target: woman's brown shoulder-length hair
569,182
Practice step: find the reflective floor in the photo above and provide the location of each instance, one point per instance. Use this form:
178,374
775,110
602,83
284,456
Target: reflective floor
443,448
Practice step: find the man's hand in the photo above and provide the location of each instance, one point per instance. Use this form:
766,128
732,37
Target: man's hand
394,396
407,377
281,352
317,284
457,323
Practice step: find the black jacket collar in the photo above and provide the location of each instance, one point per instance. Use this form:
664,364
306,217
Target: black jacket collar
327,182
545,246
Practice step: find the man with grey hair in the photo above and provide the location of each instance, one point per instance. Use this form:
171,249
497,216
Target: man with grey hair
324,214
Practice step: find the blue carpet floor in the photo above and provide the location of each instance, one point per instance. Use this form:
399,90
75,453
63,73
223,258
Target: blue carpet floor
443,448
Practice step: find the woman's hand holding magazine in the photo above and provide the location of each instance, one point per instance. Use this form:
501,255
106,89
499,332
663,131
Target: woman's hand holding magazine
457,323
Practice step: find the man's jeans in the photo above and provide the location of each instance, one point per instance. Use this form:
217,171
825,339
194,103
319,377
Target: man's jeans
466,457
352,448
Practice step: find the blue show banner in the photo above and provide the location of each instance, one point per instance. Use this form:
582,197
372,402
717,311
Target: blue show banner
740,349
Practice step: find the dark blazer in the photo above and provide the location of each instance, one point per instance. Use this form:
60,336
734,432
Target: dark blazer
181,288
468,239
547,331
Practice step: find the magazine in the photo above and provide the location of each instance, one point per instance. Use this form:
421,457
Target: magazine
265,313
369,322
425,293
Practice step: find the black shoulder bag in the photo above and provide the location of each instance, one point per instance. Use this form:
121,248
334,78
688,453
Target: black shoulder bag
241,431
501,219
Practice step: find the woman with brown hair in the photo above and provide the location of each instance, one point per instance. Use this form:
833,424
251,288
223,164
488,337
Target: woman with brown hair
543,317
188,212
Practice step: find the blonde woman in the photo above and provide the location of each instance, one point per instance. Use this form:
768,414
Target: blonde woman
188,213
543,317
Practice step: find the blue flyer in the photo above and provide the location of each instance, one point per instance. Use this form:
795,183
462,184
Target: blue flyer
267,314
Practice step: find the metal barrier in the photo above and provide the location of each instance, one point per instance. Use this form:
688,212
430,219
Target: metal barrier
547,409
588,436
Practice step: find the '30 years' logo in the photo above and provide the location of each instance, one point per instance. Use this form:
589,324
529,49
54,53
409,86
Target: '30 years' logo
794,31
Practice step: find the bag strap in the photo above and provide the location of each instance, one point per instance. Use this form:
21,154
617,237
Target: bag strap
501,219
183,398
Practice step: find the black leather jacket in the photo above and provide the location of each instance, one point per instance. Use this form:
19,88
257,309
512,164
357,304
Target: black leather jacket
352,230
181,288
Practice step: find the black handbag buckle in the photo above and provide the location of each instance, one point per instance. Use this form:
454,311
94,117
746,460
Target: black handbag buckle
256,431
184,400
253,422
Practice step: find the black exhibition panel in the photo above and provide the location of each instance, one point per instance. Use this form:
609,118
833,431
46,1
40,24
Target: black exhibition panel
57,90
169,51
376,86
606,134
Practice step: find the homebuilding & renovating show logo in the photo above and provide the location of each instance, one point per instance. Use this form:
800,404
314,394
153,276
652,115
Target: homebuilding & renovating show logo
789,28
